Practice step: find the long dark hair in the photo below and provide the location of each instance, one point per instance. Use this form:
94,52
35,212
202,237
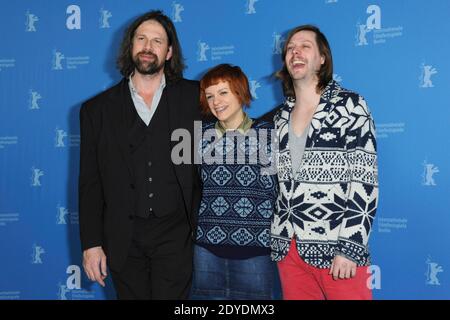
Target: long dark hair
173,68
325,73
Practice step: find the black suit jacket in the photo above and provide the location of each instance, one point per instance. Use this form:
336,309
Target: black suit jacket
106,174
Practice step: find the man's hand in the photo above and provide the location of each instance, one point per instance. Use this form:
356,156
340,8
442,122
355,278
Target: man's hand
342,268
94,264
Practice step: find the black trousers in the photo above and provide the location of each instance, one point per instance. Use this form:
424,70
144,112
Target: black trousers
159,262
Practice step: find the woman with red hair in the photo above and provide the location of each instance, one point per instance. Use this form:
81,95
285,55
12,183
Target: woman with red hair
232,254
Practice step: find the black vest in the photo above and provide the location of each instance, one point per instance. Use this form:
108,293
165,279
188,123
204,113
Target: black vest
157,191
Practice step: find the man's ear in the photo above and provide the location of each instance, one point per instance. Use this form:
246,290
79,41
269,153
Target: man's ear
169,53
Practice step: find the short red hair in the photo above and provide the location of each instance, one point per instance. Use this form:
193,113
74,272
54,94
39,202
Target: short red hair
236,79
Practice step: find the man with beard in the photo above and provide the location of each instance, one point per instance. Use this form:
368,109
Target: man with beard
137,208
327,175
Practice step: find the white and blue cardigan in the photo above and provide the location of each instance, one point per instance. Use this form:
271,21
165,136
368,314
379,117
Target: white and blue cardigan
330,204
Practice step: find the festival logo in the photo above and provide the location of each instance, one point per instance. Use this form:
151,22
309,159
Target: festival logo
30,22
177,8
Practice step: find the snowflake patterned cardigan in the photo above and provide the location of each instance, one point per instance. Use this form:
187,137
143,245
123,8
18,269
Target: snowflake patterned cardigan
330,203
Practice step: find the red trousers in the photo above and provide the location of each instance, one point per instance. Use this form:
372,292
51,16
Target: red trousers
301,281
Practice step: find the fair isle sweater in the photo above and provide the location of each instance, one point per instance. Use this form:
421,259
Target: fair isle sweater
239,191
329,205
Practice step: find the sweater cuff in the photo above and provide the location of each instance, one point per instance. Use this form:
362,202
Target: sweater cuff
353,251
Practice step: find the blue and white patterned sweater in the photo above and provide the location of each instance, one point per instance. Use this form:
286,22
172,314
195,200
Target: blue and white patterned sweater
330,204
238,198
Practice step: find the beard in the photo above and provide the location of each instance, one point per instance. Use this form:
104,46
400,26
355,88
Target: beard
147,67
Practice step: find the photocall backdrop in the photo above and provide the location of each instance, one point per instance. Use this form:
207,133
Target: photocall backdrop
56,54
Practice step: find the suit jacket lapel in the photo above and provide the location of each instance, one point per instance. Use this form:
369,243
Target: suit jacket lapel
178,114
173,95
120,102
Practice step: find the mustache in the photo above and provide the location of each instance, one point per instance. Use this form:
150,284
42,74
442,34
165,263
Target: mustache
149,53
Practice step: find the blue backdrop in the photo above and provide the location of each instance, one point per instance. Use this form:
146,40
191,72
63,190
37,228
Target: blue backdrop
56,54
